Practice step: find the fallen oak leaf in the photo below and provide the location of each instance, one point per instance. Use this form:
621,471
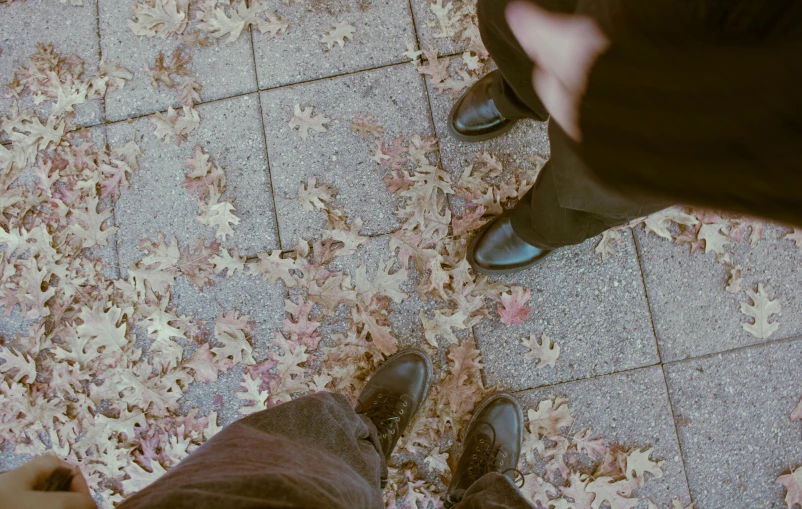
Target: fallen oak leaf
796,415
545,350
273,267
513,309
605,248
615,493
761,310
220,216
214,19
313,196
793,487
160,18
659,222
677,504
337,35
304,121
714,239
796,237
638,463
366,125
441,325
225,260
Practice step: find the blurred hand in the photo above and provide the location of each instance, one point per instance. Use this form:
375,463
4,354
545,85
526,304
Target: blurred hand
16,487
563,48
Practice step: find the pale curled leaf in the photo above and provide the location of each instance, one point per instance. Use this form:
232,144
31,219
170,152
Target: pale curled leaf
793,487
337,35
221,217
313,196
545,350
303,120
761,310
160,18
441,325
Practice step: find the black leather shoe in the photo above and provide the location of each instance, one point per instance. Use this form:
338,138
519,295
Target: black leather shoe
474,117
492,444
497,249
394,393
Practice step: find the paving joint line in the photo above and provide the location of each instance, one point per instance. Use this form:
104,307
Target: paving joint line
586,378
100,54
277,87
764,344
267,152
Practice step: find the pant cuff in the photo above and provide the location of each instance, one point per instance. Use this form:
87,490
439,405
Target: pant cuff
507,103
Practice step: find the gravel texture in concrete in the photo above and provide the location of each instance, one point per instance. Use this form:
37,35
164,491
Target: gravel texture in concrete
382,28
224,69
732,412
428,28
231,132
694,315
595,310
514,149
631,409
340,157
71,29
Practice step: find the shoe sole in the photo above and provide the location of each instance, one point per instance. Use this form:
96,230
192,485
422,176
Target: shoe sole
429,370
492,272
473,139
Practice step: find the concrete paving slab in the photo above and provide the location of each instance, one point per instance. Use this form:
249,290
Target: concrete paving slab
405,317
694,315
382,27
340,157
224,69
595,311
231,132
732,411
71,29
631,409
514,150
428,28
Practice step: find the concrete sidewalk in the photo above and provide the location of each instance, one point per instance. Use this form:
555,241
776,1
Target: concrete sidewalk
653,351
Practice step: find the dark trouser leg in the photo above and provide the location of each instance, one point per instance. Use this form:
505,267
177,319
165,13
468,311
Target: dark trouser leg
493,491
311,452
568,204
541,221
512,90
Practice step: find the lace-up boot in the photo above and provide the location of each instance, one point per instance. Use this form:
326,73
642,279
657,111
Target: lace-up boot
492,444
394,393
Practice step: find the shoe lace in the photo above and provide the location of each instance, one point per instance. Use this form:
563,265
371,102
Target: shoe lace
485,458
385,413
488,457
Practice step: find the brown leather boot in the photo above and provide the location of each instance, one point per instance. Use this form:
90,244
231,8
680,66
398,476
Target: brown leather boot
492,444
394,393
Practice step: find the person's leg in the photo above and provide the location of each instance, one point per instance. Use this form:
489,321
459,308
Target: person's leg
492,105
492,447
494,491
315,451
540,220
512,89
311,452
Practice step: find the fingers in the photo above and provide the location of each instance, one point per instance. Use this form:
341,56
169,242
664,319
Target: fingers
32,473
79,484
558,101
564,45
534,28
54,500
